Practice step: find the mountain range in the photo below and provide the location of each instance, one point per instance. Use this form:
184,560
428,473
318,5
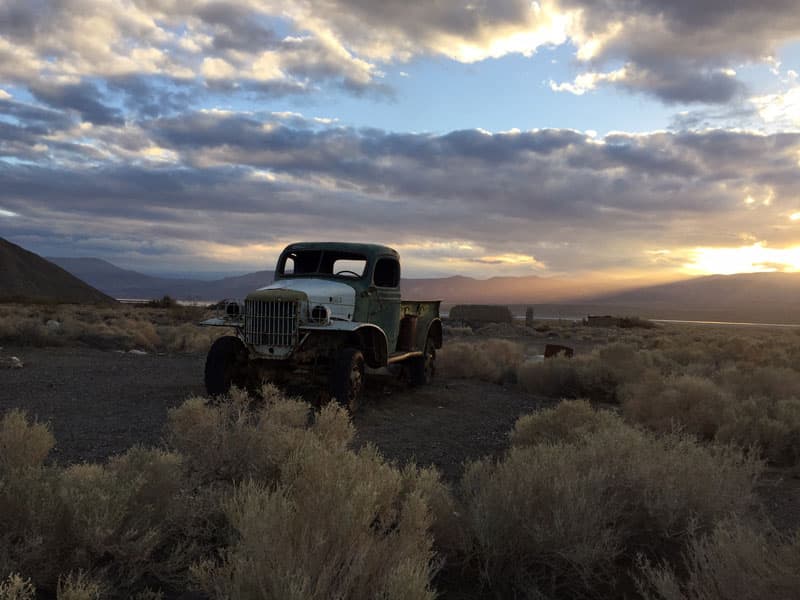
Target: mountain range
126,284
756,297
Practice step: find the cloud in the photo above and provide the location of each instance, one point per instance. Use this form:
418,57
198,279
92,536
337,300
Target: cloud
680,52
81,97
574,202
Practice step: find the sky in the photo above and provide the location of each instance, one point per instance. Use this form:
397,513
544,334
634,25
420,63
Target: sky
619,140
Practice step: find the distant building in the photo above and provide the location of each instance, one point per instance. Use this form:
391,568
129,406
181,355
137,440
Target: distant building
602,321
476,315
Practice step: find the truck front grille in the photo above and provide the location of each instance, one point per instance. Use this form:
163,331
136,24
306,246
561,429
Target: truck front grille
273,324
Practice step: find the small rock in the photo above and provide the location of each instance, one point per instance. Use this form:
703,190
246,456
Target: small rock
10,362
53,325
137,352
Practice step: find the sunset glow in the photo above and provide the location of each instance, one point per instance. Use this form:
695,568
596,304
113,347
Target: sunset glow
746,259
512,138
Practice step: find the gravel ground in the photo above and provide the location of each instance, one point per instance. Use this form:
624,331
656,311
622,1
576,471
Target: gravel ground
100,403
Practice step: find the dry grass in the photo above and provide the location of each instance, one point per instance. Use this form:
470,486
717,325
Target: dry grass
735,562
79,586
107,328
557,517
490,360
14,587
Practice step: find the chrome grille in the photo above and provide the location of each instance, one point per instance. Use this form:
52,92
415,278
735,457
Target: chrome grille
271,323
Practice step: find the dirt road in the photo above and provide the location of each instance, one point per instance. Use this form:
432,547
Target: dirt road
100,403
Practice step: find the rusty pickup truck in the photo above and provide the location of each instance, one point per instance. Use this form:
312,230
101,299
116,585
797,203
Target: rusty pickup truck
333,310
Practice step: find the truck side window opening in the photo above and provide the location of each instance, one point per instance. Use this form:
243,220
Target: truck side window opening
288,265
387,273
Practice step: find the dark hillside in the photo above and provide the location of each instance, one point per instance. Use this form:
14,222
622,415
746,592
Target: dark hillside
27,277
123,283
763,297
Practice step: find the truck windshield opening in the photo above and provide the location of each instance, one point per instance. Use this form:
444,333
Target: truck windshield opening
318,262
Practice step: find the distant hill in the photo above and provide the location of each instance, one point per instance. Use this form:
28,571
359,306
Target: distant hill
497,290
761,297
758,297
123,283
27,277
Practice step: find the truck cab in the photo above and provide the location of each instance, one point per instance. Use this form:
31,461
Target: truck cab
333,308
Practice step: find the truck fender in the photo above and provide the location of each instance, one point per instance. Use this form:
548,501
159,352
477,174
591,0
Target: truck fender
373,343
435,333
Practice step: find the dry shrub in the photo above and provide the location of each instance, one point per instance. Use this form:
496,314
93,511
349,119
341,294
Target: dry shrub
111,519
490,360
561,377
447,526
14,587
597,376
568,421
107,328
30,517
711,411
188,337
231,440
456,331
117,513
23,444
279,487
770,382
772,424
28,503
556,517
555,377
338,525
734,562
693,404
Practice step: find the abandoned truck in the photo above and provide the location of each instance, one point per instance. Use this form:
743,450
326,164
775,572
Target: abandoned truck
333,310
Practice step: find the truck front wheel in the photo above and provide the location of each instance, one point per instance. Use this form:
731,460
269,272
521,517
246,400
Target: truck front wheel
347,378
226,365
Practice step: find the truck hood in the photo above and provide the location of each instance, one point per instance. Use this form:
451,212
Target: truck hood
340,298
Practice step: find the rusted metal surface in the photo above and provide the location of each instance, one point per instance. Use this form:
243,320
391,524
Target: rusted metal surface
551,350
408,333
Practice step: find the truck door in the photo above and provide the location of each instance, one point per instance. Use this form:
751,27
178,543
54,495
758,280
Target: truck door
384,309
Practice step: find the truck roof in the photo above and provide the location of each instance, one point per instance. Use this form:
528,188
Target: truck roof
368,250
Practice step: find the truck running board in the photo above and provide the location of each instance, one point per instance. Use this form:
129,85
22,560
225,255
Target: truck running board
395,358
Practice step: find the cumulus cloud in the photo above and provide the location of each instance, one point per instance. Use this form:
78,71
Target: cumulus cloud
534,201
677,51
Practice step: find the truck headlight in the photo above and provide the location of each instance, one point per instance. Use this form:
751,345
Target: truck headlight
320,315
233,309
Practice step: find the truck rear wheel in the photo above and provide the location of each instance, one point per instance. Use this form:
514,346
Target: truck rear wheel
226,365
347,378
421,369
